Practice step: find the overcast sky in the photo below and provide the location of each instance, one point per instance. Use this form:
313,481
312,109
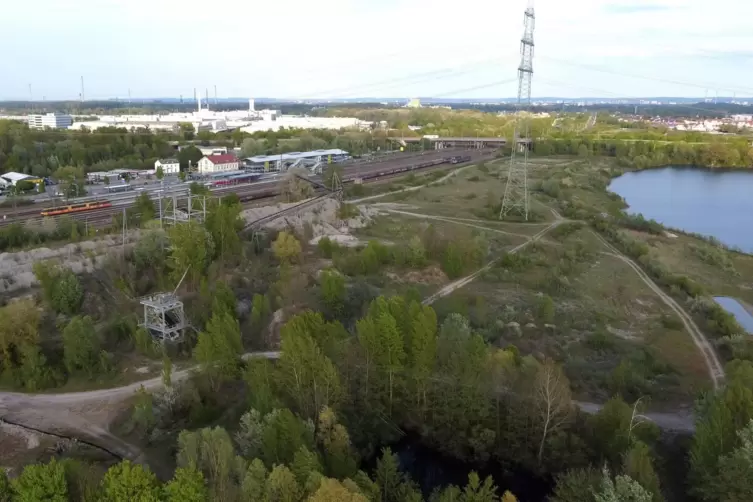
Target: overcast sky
390,48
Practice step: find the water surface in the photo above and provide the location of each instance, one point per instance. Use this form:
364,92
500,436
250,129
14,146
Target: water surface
712,202
744,318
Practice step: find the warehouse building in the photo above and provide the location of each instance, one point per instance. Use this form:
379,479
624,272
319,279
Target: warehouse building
51,120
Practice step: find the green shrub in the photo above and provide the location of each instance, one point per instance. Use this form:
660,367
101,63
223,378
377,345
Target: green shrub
551,188
672,322
326,247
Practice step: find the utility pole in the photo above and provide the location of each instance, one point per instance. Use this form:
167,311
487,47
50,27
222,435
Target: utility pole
515,199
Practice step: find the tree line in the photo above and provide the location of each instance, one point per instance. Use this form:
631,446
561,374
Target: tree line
640,153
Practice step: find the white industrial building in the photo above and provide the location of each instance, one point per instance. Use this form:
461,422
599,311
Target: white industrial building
204,119
212,150
218,163
313,160
11,178
51,120
274,122
169,166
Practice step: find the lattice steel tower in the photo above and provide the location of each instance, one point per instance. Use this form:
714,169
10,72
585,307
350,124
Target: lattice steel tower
515,199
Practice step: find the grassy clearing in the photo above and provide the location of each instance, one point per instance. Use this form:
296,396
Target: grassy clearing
397,228
475,193
613,334
722,272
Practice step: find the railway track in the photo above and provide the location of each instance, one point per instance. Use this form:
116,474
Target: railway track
251,193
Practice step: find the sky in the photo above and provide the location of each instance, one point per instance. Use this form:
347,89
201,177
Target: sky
295,49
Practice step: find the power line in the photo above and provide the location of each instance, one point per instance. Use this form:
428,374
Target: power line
593,89
601,69
407,79
475,88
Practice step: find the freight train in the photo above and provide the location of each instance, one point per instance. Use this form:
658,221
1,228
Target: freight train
76,208
455,159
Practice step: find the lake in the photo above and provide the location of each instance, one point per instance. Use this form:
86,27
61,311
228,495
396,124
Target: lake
715,203
744,318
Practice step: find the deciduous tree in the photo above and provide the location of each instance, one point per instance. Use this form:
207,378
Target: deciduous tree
332,291
640,466
191,250
309,377
294,186
211,451
61,287
41,482
261,310
19,326
335,441
127,482
552,401
187,485
735,479
219,347
331,490
286,248
622,489
224,224
6,492
422,352
81,346
255,481
282,486
260,378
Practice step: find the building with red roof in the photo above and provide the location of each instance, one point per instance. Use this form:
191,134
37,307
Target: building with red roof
218,163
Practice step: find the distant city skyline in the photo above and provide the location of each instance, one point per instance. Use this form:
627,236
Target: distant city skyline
292,49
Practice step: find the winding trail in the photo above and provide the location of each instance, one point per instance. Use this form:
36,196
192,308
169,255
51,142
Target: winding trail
86,415
714,366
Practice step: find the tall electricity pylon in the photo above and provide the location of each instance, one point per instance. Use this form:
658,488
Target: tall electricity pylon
515,199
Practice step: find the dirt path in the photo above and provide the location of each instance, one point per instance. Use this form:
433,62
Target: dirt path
457,221
86,415
714,366
446,290
679,421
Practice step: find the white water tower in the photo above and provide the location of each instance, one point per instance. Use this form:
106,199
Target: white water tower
251,105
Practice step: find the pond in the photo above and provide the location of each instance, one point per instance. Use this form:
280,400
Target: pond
712,202
744,318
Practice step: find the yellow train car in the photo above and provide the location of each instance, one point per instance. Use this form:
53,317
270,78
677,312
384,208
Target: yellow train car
75,208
